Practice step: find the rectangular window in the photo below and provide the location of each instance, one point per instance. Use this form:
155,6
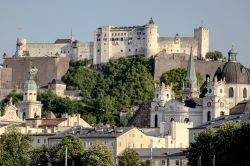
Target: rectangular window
177,162
38,140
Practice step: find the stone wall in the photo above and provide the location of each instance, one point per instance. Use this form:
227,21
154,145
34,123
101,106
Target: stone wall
5,77
49,68
165,62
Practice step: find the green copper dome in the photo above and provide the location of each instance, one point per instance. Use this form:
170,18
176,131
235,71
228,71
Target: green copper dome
30,85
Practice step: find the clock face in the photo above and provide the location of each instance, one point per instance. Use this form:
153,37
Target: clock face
209,104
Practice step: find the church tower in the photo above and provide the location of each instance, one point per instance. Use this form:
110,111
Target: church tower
30,107
214,102
190,86
151,42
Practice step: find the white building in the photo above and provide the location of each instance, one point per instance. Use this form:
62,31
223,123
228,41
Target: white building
229,86
61,47
112,42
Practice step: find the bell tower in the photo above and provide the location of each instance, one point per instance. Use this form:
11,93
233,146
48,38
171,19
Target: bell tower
30,107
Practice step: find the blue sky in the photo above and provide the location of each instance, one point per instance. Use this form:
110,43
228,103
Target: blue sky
46,20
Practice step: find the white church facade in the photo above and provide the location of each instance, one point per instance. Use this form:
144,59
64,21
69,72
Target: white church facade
112,42
229,86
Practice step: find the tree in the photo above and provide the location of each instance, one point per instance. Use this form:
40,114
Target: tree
202,149
108,88
98,155
129,158
40,156
14,147
176,77
214,55
229,145
74,150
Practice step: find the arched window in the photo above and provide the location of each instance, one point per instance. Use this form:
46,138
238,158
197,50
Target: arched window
24,116
245,93
208,116
156,108
167,95
222,113
157,95
156,120
231,92
186,120
172,119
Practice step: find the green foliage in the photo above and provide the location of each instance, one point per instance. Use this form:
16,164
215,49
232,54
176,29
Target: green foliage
176,77
214,55
40,156
129,158
16,97
75,151
58,105
14,147
116,85
98,155
230,146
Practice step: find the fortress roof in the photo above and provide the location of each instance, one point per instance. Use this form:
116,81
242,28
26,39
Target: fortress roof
62,41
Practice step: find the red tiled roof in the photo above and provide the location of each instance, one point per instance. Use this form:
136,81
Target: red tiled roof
51,122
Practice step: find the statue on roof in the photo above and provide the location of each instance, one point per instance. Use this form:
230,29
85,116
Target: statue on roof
32,73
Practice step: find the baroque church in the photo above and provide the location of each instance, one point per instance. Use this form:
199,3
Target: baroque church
224,90
29,112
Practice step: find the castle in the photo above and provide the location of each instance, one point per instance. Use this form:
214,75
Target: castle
112,42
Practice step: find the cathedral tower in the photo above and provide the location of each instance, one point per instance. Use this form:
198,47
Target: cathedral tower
30,107
151,42
190,86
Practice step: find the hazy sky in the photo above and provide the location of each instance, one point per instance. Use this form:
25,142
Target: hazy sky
46,20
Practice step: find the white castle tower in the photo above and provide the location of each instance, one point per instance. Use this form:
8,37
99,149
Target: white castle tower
151,43
201,34
20,47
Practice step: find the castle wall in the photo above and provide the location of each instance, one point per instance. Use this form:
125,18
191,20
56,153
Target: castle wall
74,50
164,63
183,45
5,77
49,68
50,49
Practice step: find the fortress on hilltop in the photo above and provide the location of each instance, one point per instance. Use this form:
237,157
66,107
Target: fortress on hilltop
112,42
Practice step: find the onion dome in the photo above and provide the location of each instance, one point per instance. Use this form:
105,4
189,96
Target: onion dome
232,71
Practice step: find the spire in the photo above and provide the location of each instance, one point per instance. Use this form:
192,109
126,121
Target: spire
191,74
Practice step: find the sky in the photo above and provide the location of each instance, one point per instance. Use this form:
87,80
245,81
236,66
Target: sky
44,21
